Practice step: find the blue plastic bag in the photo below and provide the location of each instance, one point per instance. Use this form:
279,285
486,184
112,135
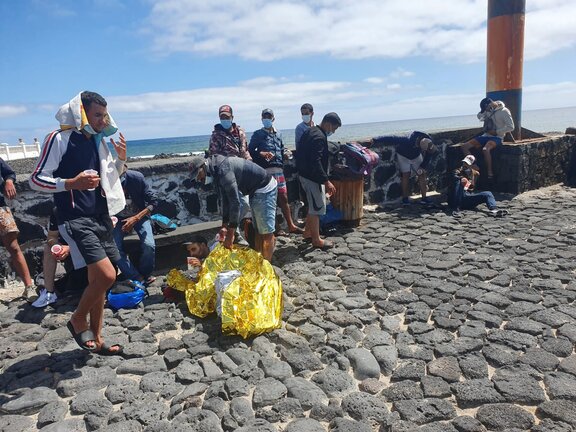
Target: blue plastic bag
127,299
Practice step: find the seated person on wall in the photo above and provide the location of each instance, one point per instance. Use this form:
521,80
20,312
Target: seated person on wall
413,154
497,123
9,231
74,278
140,203
232,176
268,151
460,191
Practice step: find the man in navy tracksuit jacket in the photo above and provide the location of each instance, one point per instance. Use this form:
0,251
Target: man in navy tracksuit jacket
77,167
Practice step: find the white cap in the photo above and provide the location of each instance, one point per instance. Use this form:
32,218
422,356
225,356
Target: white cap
469,160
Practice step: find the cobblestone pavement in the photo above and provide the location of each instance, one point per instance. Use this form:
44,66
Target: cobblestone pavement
415,322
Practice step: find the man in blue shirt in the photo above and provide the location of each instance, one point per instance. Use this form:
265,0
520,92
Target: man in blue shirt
307,112
140,203
268,151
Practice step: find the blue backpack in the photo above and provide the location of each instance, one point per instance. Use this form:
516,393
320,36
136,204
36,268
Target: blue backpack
162,224
126,295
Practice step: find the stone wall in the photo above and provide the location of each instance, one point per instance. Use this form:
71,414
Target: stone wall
518,167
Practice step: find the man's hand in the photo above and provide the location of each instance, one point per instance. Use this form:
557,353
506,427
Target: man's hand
222,234
120,147
229,239
83,181
194,262
420,171
267,155
330,188
9,189
128,224
64,253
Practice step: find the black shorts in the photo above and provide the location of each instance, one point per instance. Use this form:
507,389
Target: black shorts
90,240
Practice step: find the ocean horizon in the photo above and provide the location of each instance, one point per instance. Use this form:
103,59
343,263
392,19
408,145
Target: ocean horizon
542,120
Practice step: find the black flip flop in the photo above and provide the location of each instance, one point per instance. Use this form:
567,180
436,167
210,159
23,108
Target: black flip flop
82,337
106,350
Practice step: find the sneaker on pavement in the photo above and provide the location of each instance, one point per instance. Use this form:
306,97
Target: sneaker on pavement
457,214
45,298
30,293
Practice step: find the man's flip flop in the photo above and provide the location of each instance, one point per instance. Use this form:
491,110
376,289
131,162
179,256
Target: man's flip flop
106,350
327,245
83,337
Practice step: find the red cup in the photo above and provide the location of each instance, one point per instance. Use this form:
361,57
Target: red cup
56,249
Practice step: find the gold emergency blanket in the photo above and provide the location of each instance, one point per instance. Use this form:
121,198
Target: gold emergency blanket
251,304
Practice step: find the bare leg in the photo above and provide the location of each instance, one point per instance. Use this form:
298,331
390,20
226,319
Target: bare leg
423,185
101,276
469,145
313,226
10,242
404,183
285,207
487,152
49,264
267,242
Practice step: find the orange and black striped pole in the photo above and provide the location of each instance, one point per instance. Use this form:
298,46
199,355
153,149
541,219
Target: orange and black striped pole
505,56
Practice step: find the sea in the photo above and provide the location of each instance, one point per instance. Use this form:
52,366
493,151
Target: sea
543,121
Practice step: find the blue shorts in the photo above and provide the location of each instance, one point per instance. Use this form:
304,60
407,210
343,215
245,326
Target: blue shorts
263,206
483,140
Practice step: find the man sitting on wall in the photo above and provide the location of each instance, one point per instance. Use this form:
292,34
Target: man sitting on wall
497,123
140,203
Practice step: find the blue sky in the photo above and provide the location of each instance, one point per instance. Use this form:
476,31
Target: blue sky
166,65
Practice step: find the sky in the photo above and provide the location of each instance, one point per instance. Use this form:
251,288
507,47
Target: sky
165,66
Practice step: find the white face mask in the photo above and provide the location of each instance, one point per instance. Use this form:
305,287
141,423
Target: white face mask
208,179
306,118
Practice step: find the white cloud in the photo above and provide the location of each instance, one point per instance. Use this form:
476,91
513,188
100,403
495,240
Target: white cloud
452,30
12,110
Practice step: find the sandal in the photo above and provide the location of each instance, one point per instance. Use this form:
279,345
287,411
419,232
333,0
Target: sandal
327,245
106,350
83,337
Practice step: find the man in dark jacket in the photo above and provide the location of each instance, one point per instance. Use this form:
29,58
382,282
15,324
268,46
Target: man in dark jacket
232,176
140,203
312,163
9,231
413,153
268,151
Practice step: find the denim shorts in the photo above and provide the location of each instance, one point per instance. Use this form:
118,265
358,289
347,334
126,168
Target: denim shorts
263,206
483,140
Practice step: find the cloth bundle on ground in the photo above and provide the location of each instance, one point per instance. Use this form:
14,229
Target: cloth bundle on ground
73,115
126,294
162,224
251,303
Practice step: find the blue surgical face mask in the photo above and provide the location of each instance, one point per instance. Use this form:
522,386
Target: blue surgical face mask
267,123
306,118
329,133
226,123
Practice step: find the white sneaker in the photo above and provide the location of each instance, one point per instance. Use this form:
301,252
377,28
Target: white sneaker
30,293
45,299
